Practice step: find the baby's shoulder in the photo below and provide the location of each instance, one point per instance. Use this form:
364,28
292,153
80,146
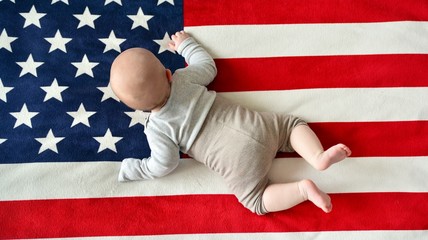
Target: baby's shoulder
185,77
180,75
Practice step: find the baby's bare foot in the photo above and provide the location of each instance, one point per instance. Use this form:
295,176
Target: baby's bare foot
311,192
332,155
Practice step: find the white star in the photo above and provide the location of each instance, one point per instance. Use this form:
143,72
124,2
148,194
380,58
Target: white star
86,18
53,91
116,1
5,40
108,93
58,42
162,1
2,140
30,66
49,142
81,116
3,91
23,117
32,17
108,141
140,19
163,44
137,117
55,1
84,67
112,42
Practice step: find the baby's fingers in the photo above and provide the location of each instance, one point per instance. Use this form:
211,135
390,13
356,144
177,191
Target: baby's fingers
177,39
181,35
172,45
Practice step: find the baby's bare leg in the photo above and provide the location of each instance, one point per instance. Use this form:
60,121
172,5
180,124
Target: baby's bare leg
306,144
282,196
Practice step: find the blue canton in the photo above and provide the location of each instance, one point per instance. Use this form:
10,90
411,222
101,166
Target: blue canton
55,55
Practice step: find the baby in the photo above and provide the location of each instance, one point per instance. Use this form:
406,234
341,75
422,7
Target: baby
233,141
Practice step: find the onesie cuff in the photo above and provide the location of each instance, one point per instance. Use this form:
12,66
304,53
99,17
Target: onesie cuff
188,41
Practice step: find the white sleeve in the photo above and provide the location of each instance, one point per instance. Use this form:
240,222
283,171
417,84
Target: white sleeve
201,66
164,159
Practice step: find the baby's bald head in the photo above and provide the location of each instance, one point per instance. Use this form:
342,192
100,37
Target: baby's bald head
139,79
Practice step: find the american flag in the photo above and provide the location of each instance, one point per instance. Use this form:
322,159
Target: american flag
355,70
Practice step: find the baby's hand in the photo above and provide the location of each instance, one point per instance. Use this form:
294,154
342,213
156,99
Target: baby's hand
177,39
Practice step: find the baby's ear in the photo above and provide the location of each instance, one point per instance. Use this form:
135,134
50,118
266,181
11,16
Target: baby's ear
168,75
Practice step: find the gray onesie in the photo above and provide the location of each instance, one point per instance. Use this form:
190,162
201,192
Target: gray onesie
233,141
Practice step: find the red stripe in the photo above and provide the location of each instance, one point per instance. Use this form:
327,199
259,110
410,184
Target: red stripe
377,139
224,12
282,73
374,139
193,214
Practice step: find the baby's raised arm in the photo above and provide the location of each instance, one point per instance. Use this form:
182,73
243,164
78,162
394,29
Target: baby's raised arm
201,66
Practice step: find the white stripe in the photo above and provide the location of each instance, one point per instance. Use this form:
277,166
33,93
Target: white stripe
77,180
245,41
340,104
344,235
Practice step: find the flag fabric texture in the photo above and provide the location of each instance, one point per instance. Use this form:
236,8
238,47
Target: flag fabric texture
356,71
